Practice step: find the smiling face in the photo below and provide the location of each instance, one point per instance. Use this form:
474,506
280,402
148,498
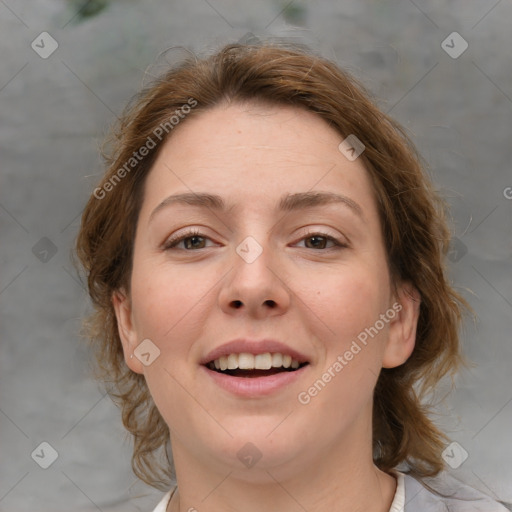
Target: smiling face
255,230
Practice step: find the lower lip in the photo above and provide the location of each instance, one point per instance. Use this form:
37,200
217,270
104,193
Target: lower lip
248,387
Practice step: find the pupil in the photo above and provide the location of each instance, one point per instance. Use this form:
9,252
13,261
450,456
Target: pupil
317,241
189,242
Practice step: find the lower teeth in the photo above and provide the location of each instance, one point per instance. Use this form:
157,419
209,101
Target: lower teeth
254,373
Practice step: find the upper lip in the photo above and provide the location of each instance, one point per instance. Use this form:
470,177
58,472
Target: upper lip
254,347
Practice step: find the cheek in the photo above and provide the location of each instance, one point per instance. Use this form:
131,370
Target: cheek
168,303
166,299
348,303
348,299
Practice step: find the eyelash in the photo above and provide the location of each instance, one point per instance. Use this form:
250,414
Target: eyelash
174,241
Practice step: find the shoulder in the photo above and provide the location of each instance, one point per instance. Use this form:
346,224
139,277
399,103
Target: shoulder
444,493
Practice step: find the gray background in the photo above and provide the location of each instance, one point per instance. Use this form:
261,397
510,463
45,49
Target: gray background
54,113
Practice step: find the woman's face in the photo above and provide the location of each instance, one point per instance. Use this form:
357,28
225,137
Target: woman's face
257,236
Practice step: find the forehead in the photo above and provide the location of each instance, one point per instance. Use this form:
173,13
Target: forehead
253,153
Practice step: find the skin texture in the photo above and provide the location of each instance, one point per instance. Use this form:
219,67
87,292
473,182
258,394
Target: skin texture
306,292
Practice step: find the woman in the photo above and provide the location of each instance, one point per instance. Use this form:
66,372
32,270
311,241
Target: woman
265,257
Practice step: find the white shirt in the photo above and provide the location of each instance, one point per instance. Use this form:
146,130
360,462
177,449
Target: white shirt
457,496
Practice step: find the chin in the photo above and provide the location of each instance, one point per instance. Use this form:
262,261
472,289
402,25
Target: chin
253,454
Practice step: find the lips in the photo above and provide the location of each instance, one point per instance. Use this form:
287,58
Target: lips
252,368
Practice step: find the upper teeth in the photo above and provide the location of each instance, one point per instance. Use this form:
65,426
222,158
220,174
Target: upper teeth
246,361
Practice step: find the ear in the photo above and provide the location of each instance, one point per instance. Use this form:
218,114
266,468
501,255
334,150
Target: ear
402,331
127,332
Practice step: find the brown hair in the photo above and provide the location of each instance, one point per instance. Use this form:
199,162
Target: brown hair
412,217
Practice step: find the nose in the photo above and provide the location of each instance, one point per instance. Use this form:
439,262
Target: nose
255,287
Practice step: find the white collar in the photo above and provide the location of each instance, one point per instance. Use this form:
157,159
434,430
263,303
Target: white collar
398,503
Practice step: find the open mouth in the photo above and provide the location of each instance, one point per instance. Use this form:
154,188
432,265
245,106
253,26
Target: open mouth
253,366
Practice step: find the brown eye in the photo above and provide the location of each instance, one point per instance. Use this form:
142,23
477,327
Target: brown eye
321,241
194,242
187,241
316,242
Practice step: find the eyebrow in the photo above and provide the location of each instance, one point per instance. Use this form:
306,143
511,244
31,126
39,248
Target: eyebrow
287,203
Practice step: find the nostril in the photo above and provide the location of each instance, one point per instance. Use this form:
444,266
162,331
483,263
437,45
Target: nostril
269,302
